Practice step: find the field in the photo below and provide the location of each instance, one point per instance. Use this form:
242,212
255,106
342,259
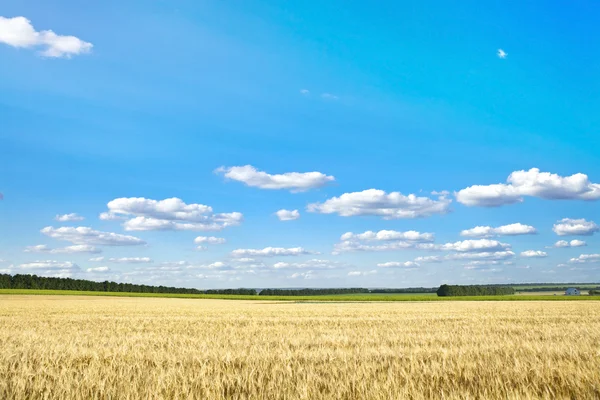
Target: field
78,347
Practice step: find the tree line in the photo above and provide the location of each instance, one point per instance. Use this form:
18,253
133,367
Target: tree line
474,290
49,283
594,292
310,292
406,290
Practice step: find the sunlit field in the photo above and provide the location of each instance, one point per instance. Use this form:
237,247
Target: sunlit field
77,347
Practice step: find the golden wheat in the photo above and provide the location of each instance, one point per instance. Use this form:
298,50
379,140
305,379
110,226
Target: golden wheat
143,348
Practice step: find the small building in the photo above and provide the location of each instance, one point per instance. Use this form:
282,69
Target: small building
572,292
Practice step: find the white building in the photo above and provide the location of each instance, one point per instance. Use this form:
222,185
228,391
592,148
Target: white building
572,292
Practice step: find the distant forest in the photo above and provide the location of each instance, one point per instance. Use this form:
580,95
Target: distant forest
39,282
474,290
310,292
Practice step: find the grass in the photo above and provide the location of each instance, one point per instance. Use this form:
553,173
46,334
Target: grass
360,297
76,347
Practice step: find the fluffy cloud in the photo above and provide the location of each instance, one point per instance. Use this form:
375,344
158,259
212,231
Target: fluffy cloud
386,235
271,252
108,216
293,181
50,265
355,245
482,265
347,246
505,230
485,255
209,240
312,264
395,264
585,258
302,275
88,236
501,54
362,273
287,215
98,269
168,214
78,248
531,183
305,92
96,259
534,254
572,243
216,265
429,259
68,217
568,226
375,202
130,260
19,32
478,245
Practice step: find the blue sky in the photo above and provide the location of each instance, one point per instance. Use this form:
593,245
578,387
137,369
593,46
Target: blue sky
126,104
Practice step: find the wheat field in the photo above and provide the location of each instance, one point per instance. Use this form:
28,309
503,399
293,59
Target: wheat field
56,347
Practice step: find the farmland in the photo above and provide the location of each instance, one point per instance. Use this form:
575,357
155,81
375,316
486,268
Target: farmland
163,348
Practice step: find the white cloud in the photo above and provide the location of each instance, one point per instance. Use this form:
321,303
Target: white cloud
68,217
305,92
501,54
98,269
392,205
246,260
49,265
505,230
294,181
572,243
108,216
329,96
19,32
168,214
534,254
482,265
568,226
271,252
428,259
302,275
209,240
585,258
312,264
355,246
387,235
131,260
395,264
79,248
85,235
362,273
96,259
215,265
485,255
287,215
531,183
477,245
174,264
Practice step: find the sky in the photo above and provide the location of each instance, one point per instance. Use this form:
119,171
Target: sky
300,144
